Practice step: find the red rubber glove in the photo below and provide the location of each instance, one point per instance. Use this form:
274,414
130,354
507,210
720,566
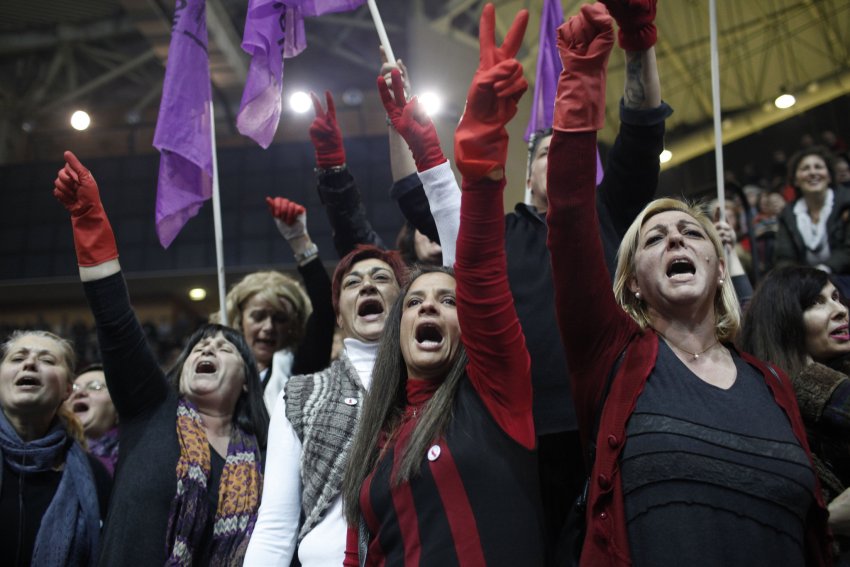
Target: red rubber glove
481,141
77,190
326,135
410,120
289,216
584,42
636,19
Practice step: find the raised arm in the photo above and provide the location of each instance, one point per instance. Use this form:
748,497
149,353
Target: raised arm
499,366
632,167
407,190
591,323
314,351
335,184
133,376
411,122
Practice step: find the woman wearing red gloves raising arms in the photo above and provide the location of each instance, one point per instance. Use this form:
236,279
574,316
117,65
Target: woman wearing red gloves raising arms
443,469
701,454
187,485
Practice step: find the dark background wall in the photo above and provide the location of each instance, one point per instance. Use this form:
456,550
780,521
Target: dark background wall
35,233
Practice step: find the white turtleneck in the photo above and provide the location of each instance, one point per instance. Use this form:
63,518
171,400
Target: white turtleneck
274,538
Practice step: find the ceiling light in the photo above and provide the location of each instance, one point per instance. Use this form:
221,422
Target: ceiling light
80,120
197,294
431,102
785,100
300,102
665,156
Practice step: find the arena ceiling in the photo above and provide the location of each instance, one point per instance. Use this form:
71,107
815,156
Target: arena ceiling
108,57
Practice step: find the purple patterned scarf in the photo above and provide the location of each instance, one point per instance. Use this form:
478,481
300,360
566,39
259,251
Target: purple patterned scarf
238,494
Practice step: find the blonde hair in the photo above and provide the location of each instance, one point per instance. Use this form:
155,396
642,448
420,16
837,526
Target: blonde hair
272,287
726,307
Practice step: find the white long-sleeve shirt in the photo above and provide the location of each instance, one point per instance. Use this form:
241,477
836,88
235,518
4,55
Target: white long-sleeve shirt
274,539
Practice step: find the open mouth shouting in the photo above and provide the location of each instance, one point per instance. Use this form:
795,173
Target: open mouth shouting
28,382
206,366
429,336
370,309
681,269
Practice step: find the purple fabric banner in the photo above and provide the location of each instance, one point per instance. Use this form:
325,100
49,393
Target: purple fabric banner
182,133
319,7
272,31
548,70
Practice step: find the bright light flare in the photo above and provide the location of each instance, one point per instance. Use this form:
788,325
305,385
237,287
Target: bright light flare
431,102
300,102
80,120
784,101
197,294
665,156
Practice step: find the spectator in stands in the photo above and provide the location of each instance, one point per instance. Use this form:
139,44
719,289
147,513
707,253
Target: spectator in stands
842,171
765,226
288,332
91,404
188,486
797,321
701,452
53,496
813,231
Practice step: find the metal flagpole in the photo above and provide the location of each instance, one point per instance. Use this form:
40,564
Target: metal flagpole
715,97
382,33
219,252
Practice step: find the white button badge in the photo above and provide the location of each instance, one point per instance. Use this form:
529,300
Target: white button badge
350,401
434,453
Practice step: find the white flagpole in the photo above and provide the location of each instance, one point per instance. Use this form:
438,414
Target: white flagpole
715,96
382,33
219,253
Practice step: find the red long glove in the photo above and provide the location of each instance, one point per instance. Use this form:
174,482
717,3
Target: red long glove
326,135
77,190
411,122
289,216
481,141
636,19
584,42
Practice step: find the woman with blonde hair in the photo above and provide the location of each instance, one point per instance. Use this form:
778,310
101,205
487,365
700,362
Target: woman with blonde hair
53,497
289,331
701,455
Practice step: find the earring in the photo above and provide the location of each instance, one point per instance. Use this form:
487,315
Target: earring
721,281
637,295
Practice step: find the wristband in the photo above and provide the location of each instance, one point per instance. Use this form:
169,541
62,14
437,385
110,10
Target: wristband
330,170
308,254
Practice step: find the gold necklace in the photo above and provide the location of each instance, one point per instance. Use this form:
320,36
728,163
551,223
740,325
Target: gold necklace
694,354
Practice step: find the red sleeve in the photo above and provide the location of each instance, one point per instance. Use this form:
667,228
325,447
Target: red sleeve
352,554
594,328
499,366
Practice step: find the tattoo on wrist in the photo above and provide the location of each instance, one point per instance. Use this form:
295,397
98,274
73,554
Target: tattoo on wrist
635,94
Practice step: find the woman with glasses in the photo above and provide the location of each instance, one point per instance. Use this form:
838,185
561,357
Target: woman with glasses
91,404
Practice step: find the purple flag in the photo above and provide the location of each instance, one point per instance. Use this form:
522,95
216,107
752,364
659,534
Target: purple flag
183,126
272,31
548,69
319,7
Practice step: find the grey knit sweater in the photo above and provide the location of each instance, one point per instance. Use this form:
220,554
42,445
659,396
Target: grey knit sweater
323,409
